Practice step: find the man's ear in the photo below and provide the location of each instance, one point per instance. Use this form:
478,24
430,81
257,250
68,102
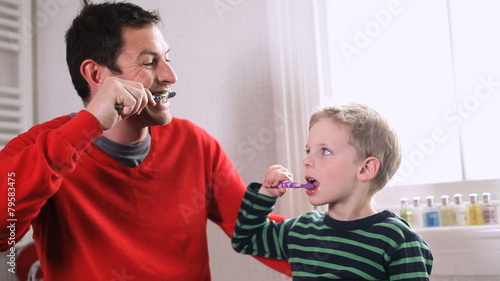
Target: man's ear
93,72
369,170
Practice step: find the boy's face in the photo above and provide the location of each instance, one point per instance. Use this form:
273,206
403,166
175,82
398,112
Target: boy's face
332,162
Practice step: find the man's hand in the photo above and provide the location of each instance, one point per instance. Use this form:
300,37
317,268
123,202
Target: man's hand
132,95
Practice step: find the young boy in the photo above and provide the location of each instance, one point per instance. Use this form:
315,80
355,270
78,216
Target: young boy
351,154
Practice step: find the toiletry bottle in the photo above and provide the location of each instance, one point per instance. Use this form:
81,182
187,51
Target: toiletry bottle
417,213
489,210
461,212
446,212
475,211
431,213
405,211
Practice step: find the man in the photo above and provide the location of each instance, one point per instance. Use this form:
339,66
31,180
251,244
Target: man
120,190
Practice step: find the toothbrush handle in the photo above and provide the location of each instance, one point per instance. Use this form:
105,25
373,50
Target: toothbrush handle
289,184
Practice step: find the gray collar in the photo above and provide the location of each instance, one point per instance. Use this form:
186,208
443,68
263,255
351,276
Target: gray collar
128,155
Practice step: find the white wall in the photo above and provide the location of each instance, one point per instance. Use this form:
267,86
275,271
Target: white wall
220,56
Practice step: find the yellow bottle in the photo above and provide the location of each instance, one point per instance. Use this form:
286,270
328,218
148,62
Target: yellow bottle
475,211
405,211
446,212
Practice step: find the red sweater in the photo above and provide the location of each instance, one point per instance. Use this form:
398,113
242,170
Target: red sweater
96,219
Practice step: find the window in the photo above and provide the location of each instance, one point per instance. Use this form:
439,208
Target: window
424,65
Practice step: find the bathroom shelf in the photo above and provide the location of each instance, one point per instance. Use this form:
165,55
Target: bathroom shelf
469,250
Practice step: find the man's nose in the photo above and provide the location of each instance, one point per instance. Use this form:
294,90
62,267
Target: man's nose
166,73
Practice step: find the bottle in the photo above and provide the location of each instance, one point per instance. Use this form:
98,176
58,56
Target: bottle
489,210
475,211
431,213
461,212
418,213
446,212
405,212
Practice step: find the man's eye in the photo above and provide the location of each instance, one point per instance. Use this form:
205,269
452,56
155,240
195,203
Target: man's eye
148,64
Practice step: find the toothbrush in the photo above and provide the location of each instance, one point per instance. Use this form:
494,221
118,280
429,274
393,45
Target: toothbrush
164,95
156,98
290,184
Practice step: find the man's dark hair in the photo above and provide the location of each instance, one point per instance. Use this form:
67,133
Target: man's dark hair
97,33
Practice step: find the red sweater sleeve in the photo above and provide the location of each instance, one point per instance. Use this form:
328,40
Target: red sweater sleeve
228,190
32,166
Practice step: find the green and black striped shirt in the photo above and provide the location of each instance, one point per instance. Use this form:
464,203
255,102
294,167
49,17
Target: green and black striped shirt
318,247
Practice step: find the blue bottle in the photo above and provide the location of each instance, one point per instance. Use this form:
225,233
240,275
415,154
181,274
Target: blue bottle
431,213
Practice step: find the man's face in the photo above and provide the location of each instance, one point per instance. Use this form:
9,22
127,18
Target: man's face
144,59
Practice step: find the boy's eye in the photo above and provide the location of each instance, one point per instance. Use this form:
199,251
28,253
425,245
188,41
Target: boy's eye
307,151
325,151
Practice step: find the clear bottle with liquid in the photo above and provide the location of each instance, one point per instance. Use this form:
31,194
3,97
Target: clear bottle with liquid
446,212
475,211
405,212
489,210
461,212
417,213
431,213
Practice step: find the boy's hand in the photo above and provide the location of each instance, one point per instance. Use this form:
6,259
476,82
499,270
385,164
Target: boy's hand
274,175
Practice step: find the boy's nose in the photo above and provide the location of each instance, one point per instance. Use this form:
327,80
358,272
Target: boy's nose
307,161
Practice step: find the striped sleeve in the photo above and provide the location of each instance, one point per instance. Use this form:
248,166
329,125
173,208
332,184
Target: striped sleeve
254,233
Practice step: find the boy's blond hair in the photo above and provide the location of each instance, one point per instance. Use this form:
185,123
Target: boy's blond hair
370,135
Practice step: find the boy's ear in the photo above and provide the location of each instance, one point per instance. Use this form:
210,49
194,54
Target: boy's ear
369,170
93,72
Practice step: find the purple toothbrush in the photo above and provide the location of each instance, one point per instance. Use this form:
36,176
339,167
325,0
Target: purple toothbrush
290,184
